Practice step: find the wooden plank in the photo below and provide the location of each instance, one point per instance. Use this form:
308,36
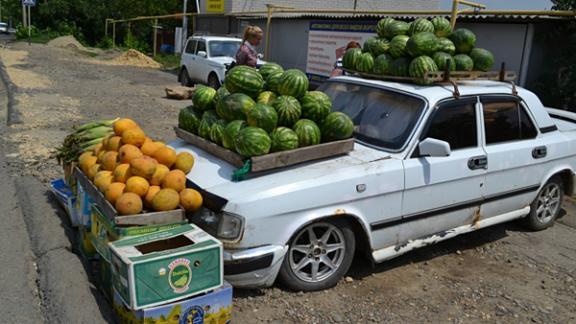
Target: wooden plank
231,157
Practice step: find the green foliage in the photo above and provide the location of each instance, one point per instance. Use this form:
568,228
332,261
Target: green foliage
168,61
132,42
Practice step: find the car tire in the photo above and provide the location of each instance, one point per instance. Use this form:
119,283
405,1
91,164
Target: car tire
185,78
316,258
546,206
213,81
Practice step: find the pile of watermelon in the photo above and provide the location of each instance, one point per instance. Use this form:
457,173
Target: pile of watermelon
257,112
412,49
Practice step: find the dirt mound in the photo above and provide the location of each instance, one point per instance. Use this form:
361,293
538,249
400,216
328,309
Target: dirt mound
67,42
135,58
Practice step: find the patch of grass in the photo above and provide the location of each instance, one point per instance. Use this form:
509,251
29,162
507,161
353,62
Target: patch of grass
168,61
41,38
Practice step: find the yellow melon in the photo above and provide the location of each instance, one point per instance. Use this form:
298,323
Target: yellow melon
175,179
114,143
165,155
105,140
152,191
149,148
109,160
97,149
84,155
143,167
159,174
190,199
103,179
101,155
134,136
137,185
166,199
87,163
114,191
128,203
184,162
92,171
128,152
122,172
124,124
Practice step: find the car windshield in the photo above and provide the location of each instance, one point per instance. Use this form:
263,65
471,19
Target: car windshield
224,48
381,117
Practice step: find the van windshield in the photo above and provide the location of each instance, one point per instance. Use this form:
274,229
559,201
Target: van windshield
381,117
224,48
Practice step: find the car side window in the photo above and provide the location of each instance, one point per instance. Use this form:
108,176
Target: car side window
191,47
506,121
201,47
455,123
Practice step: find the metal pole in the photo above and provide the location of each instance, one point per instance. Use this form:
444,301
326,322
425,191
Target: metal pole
29,24
24,19
268,23
106,28
184,25
155,35
113,34
454,13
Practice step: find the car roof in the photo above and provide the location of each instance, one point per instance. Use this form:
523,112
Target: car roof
217,38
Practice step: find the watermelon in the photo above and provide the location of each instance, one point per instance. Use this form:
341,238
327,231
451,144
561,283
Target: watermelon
231,133
316,105
273,80
208,118
308,132
382,64
399,66
419,66
365,63
483,59
263,116
253,141
244,79
381,26
293,83
423,43
368,44
203,98
337,126
220,94
234,106
350,58
267,68
379,46
188,119
396,28
441,58
217,131
464,40
210,115
446,45
398,46
463,62
288,109
266,97
421,25
442,26
283,139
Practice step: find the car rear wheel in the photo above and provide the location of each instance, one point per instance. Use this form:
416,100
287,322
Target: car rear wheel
547,205
185,78
318,256
213,81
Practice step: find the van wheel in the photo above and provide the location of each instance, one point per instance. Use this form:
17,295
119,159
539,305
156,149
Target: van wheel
546,207
318,256
185,78
213,81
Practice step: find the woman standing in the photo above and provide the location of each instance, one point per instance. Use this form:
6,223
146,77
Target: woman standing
247,54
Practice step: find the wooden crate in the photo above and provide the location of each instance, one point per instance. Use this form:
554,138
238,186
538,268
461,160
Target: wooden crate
272,160
152,218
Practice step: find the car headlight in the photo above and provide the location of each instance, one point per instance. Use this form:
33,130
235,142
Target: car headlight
223,225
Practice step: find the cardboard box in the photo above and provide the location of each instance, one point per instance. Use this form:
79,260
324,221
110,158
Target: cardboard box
85,246
84,204
163,267
214,307
67,199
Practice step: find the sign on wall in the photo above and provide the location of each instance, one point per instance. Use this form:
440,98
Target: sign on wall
30,3
214,5
327,42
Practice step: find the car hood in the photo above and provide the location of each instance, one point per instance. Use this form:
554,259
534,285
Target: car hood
222,59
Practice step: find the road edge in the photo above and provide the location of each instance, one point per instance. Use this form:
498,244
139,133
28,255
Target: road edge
13,116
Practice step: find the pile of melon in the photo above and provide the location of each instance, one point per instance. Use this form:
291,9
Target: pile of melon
136,173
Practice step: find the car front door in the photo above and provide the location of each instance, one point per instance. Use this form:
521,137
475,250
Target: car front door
202,64
189,56
442,193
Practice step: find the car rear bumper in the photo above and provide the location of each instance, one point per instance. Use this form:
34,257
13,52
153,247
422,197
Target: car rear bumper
255,267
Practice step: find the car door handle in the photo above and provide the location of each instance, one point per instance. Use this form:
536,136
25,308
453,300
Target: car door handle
478,162
539,152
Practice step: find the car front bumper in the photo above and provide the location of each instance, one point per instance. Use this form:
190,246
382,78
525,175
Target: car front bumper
254,267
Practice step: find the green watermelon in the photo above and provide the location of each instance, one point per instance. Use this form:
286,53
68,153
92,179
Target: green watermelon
244,79
266,97
442,27
368,44
419,66
445,45
337,126
234,106
424,43
441,59
288,109
421,25
483,59
267,68
208,119
380,46
464,40
293,83
210,115
350,58
217,131
381,26
365,63
308,132
382,64
399,66
263,116
398,46
203,98
253,141
273,80
316,105
220,94
396,28
463,62
189,119
231,133
283,139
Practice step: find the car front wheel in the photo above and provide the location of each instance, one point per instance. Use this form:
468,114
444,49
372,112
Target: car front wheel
318,256
545,208
185,78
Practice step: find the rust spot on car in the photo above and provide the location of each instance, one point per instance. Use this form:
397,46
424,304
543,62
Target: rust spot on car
476,218
340,211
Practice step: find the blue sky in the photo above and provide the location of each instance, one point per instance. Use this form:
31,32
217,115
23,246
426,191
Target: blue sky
506,4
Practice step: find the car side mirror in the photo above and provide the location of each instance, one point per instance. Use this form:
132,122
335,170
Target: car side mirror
434,148
260,56
202,54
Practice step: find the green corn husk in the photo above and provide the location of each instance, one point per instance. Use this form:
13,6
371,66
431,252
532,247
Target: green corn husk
94,124
97,132
92,142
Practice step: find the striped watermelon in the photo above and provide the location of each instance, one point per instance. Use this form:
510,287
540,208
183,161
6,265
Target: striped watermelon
288,109
272,81
217,131
424,43
220,94
316,105
244,79
441,59
253,141
231,133
267,68
382,64
262,116
442,27
350,58
398,46
463,62
421,25
293,83
234,106
266,97
337,126
399,66
419,66
283,139
377,46
396,28
308,132
381,26
208,119
188,119
483,59
446,45
203,98
464,40
365,63
368,44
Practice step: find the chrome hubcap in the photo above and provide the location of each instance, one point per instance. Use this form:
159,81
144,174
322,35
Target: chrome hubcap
317,252
548,203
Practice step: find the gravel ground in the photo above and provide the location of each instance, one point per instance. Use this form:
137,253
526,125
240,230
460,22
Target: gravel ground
500,274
